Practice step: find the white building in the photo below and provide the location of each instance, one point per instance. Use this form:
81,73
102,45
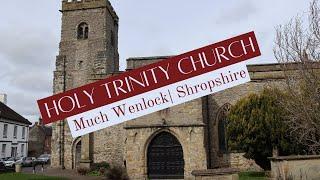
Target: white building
14,133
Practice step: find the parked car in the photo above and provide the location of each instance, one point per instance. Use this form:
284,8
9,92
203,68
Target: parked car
2,167
9,163
19,160
44,158
27,161
4,159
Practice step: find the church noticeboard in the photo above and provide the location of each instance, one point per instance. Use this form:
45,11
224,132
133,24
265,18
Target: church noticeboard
153,87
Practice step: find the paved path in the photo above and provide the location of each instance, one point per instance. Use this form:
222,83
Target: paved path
70,174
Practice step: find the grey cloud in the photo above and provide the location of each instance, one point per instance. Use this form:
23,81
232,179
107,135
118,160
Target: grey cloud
28,55
237,12
27,48
25,103
39,81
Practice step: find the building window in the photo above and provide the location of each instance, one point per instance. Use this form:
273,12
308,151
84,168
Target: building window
15,131
3,149
5,130
222,122
22,149
83,31
23,132
13,151
222,136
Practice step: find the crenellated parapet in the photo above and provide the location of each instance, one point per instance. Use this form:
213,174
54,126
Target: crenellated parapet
72,5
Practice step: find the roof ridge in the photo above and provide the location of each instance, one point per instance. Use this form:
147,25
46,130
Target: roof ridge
8,113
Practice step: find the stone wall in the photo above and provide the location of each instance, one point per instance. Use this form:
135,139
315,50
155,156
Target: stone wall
72,5
216,174
295,167
55,157
185,121
36,141
134,63
189,113
108,145
191,139
80,59
237,160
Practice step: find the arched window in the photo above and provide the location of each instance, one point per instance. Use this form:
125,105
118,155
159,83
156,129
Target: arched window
222,135
222,121
76,153
83,31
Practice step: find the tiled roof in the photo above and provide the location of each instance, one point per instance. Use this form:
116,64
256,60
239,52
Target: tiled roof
8,113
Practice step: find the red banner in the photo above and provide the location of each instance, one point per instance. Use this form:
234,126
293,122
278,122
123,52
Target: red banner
150,77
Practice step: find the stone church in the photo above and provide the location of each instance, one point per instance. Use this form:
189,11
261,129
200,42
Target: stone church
167,144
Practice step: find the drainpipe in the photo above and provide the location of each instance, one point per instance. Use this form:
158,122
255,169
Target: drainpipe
63,123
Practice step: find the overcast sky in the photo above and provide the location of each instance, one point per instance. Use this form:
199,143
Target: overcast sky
30,33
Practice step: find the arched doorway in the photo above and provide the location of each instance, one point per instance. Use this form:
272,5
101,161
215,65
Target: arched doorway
165,157
76,154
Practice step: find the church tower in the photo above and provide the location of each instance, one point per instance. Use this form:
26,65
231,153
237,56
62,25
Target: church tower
88,49
89,40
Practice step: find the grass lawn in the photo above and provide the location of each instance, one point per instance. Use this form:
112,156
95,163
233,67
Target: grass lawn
252,176
21,176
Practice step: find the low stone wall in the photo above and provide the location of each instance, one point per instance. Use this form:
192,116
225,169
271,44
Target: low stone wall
295,167
237,160
216,174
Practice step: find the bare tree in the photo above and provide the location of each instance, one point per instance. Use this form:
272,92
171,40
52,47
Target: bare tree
297,48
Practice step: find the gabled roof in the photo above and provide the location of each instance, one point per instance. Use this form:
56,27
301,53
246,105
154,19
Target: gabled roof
8,113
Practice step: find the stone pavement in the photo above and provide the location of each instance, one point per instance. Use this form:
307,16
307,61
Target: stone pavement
69,174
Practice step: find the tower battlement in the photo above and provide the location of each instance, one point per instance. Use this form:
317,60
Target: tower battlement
72,5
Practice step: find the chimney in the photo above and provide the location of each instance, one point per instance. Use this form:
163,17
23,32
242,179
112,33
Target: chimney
3,98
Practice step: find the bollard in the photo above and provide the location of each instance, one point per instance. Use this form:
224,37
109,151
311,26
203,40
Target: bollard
18,168
42,167
33,167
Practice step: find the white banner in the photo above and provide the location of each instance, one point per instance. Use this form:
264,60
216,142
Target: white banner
158,99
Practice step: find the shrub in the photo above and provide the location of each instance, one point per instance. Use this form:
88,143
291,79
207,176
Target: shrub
83,171
102,171
98,166
117,173
93,173
256,126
